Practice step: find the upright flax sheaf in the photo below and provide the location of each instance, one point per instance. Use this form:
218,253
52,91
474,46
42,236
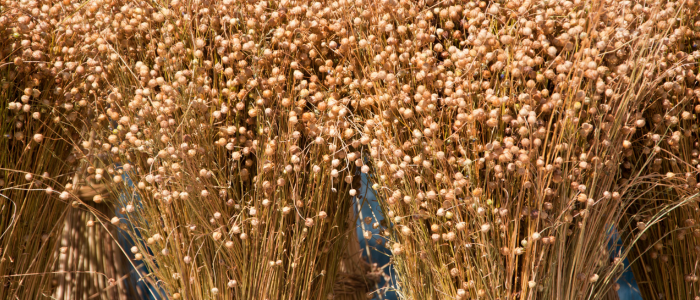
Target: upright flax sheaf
497,159
32,163
665,257
37,156
239,146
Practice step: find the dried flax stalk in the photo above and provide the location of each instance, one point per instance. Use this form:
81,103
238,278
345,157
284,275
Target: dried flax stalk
90,263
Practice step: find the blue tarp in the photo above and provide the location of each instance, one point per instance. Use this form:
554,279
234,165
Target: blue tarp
629,290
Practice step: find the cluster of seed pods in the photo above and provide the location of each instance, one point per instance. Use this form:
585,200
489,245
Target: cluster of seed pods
504,138
37,152
508,155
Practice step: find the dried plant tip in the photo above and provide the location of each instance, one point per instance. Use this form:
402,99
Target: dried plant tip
485,228
641,225
582,197
232,283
